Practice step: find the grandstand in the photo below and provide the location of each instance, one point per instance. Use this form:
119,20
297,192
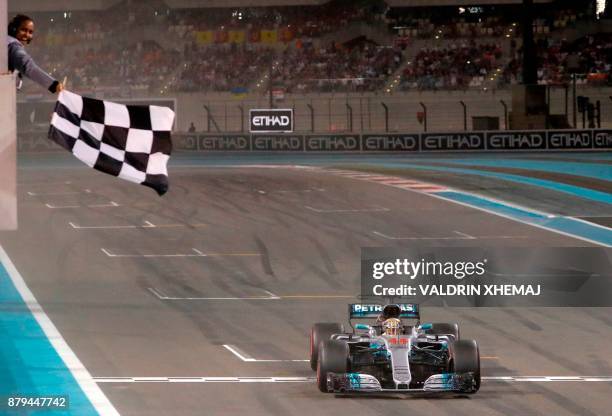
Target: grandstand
379,58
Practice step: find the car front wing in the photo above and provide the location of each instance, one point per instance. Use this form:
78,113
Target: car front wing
357,382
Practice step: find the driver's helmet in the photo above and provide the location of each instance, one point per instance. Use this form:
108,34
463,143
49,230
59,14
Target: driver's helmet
392,326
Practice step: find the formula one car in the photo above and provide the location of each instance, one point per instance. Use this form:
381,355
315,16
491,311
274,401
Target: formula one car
390,355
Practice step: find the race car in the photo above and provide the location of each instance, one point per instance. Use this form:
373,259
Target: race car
396,353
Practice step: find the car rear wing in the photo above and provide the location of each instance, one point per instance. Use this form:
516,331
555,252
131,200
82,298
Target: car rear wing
366,310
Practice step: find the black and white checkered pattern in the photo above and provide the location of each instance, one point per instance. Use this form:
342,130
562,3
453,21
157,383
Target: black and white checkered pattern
129,141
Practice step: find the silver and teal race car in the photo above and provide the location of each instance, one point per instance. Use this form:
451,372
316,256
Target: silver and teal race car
413,357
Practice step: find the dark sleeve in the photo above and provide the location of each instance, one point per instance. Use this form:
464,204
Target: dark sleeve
21,61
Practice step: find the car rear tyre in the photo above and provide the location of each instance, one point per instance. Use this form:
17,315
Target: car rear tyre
466,359
333,358
321,332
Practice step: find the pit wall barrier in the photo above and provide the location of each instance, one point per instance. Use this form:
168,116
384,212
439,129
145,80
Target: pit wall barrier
476,141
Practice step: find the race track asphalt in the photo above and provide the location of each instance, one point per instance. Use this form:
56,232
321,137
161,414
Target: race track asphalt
138,286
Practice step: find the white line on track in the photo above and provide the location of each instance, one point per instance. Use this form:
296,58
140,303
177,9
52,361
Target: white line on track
45,183
243,356
158,293
162,296
330,211
506,379
271,296
238,353
465,235
87,191
550,378
146,224
95,395
110,204
62,206
109,254
204,379
460,236
196,253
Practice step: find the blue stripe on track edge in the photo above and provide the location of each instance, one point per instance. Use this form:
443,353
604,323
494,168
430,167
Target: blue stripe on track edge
577,191
565,225
29,364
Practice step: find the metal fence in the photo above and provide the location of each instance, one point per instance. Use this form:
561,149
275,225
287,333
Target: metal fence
434,112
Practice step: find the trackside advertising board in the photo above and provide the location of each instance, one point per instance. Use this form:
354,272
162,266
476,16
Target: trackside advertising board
484,141
452,141
390,142
272,120
277,142
602,139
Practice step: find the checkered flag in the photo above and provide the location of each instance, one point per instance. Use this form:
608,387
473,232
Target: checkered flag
128,141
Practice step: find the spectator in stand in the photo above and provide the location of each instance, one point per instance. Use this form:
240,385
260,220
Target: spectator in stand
362,66
590,56
454,67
